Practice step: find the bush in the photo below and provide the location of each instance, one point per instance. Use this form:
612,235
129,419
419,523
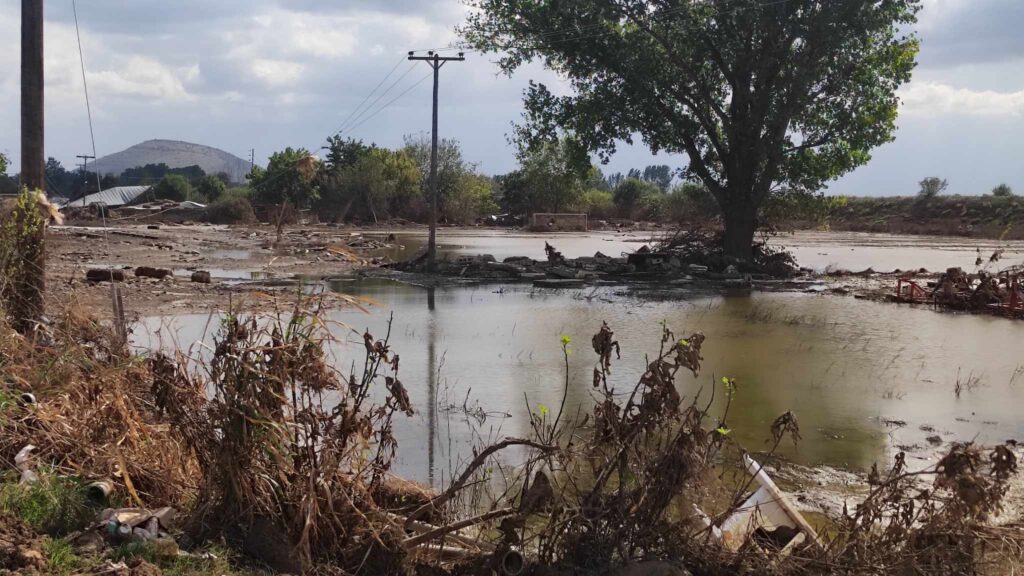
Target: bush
932,187
211,188
1002,191
652,206
172,187
628,194
597,204
231,209
691,201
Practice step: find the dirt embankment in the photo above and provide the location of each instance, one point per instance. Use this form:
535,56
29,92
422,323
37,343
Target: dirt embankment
972,216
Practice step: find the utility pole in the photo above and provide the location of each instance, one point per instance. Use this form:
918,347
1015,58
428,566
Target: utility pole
33,160
23,304
436,61
85,171
252,160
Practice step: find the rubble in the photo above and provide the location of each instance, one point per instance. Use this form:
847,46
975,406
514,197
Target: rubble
104,275
150,272
557,271
201,277
1000,293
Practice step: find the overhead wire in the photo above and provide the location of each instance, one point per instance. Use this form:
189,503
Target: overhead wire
355,120
345,122
116,300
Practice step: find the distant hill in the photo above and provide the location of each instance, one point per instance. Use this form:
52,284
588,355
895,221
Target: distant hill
175,154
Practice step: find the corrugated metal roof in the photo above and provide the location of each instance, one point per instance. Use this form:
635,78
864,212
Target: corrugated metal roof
112,197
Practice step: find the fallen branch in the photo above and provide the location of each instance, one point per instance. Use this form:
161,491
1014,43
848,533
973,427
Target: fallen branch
418,539
477,462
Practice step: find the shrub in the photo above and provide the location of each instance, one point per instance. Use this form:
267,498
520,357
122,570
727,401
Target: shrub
172,187
932,187
231,209
652,206
597,204
691,201
1002,191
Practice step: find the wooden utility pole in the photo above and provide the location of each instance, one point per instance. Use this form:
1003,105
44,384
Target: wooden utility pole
22,280
33,160
436,61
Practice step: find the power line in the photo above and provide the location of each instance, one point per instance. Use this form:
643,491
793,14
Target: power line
375,88
395,99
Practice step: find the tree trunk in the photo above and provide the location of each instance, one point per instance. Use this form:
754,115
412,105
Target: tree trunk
740,225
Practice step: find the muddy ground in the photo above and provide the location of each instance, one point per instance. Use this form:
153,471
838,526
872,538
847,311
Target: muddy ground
244,262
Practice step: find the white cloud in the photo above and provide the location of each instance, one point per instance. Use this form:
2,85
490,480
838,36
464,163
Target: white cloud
931,99
276,72
138,76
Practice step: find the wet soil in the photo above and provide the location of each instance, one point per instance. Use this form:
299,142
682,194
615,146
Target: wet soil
245,264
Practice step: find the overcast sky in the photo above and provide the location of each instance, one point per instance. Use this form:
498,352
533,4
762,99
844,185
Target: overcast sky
265,74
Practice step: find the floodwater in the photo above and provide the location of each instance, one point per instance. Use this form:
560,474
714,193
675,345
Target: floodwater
820,251
861,377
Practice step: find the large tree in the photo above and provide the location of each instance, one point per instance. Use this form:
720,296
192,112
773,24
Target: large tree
759,95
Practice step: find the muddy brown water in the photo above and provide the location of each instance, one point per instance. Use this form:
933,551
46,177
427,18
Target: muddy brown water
863,378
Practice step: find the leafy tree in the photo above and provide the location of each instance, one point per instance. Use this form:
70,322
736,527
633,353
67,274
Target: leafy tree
380,183
597,204
1002,191
172,187
628,194
451,167
3,163
613,180
660,175
553,175
344,152
211,188
284,180
471,199
931,187
758,95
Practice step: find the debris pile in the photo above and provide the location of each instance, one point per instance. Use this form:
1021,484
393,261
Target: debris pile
999,293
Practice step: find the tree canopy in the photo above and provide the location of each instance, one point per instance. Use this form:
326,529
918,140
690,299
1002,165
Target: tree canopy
173,187
758,96
1002,191
283,181
552,176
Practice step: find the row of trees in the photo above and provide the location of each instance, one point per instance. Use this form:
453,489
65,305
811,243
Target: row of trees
357,181
371,183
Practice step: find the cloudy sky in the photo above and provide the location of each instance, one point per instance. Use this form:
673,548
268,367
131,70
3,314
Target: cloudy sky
265,74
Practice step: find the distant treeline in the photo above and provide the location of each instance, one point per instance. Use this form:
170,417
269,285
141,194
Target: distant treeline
365,182
79,182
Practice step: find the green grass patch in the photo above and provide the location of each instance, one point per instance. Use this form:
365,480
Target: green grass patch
55,505
61,559
213,561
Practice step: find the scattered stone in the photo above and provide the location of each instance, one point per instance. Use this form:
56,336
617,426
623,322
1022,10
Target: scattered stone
150,272
935,440
99,275
201,276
